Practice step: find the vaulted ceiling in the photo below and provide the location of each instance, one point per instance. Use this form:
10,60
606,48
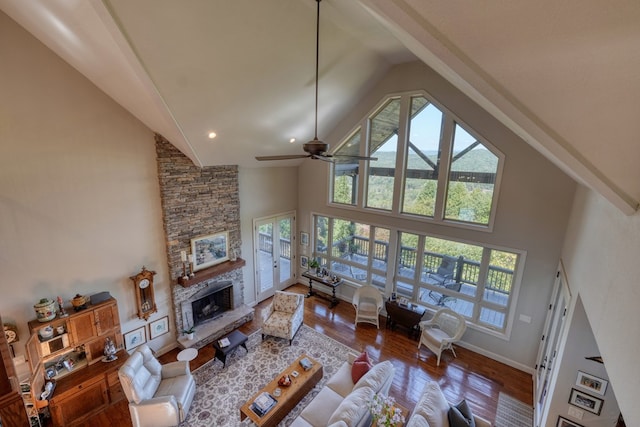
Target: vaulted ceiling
565,76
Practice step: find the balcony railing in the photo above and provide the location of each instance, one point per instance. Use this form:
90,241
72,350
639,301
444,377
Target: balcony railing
265,244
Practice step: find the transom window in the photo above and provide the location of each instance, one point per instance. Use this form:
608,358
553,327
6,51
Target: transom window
474,280
429,165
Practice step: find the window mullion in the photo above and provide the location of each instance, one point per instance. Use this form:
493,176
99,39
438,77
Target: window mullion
482,280
444,154
363,178
401,151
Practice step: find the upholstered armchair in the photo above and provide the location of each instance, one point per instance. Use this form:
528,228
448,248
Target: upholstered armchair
283,316
368,302
445,328
158,395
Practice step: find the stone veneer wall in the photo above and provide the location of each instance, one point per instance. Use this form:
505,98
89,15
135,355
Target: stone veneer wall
196,202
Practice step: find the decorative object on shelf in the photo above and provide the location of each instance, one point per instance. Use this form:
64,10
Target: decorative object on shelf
591,382
314,265
46,332
11,333
133,339
191,261
61,311
586,401
79,302
109,351
145,297
45,310
210,250
384,411
158,327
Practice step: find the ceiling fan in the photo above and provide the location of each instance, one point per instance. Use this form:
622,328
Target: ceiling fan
315,148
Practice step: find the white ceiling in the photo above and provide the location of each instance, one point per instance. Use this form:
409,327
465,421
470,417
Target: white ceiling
565,76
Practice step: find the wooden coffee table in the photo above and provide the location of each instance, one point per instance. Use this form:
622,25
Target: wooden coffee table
289,397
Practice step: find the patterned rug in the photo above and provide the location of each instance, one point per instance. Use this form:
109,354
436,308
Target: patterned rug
220,392
513,413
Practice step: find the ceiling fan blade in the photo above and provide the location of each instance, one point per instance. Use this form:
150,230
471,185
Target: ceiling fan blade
284,157
344,156
324,158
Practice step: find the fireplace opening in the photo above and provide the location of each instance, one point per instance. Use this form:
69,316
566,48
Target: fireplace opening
212,304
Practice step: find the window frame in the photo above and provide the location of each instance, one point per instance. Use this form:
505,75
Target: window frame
449,120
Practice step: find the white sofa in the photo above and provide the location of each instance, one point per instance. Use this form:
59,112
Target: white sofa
432,410
342,403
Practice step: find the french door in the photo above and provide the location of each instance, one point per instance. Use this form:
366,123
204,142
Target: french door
548,350
274,252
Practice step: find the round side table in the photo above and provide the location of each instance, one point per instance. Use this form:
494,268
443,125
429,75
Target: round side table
187,355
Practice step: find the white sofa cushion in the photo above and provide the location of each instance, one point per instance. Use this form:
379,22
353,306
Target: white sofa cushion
353,407
433,406
340,382
376,376
417,420
318,412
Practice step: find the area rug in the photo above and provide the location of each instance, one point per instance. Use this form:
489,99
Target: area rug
220,392
513,413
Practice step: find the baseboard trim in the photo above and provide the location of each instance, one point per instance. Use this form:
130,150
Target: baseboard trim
497,357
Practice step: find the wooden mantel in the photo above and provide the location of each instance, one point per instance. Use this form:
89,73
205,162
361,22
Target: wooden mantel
211,272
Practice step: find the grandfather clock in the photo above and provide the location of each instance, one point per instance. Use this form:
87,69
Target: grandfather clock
12,410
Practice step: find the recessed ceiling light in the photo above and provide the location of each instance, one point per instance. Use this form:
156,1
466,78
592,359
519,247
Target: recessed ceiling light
292,140
212,135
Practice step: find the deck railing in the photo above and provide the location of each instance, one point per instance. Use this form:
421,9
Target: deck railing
265,244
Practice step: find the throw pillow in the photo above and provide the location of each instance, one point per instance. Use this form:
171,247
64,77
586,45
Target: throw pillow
461,416
360,366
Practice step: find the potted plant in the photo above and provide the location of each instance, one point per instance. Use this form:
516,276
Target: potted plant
189,332
314,265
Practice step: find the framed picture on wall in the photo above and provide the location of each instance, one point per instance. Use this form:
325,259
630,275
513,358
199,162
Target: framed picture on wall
210,250
159,327
563,422
134,338
304,261
304,238
585,401
591,382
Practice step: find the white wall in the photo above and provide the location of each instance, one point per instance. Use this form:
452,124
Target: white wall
601,261
79,196
579,343
533,207
263,192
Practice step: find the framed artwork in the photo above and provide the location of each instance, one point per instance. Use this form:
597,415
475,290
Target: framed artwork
158,327
304,261
134,338
591,382
585,401
304,238
210,250
563,422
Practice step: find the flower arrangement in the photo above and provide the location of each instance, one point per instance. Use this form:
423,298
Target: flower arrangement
385,413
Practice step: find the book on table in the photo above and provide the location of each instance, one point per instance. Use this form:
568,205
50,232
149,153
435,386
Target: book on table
263,403
224,342
306,364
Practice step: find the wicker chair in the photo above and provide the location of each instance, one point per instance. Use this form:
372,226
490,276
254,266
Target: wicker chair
445,328
368,303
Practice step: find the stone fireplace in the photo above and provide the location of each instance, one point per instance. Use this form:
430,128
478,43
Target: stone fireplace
199,202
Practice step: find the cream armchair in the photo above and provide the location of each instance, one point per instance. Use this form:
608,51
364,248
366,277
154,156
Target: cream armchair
367,300
439,333
283,316
158,395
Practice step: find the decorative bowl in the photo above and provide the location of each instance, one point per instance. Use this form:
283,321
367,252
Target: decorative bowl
46,332
284,381
79,302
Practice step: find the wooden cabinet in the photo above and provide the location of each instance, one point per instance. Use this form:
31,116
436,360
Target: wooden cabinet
91,385
78,397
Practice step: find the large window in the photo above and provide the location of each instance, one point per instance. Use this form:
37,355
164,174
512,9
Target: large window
448,173
474,280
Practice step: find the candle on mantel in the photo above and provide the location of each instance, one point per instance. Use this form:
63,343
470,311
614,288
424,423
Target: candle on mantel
191,258
183,256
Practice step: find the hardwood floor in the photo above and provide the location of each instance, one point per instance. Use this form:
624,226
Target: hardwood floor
470,376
